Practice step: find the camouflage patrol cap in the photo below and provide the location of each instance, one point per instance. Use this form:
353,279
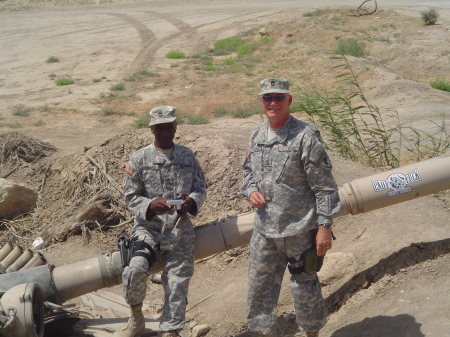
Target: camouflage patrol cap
274,85
162,114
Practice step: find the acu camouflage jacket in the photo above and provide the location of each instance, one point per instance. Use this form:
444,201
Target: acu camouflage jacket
293,172
150,176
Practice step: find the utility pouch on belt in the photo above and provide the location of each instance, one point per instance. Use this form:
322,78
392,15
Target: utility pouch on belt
129,247
311,261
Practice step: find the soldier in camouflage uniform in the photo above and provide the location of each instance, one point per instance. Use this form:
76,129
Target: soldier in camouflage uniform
154,175
287,177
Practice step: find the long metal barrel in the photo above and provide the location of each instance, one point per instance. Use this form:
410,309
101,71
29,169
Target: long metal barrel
395,186
362,195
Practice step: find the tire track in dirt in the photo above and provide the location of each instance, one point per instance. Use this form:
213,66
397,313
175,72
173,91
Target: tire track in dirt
148,42
151,44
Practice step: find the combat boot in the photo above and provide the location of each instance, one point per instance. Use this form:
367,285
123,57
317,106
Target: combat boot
135,325
312,334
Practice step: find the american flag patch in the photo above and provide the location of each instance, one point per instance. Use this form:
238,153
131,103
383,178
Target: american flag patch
129,169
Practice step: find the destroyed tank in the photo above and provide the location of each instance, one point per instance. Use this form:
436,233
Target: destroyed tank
26,292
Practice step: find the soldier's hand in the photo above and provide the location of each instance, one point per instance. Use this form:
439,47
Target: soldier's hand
257,199
185,206
324,240
160,205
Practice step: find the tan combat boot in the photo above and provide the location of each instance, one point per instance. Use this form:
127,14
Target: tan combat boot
135,325
312,334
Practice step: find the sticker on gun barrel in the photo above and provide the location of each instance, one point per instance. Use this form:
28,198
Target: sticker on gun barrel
397,183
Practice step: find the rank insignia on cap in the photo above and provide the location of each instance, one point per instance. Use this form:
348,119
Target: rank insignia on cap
129,169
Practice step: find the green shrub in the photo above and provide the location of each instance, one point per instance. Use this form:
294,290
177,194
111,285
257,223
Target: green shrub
197,120
429,17
220,111
245,49
173,54
229,61
210,68
21,110
235,68
317,12
39,123
266,39
142,121
111,112
350,47
117,87
239,112
246,111
52,59
147,73
227,46
441,85
64,80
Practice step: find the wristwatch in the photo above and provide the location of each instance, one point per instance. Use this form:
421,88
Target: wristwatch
326,225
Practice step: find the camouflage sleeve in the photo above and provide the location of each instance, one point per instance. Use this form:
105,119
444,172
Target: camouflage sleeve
134,192
318,170
198,193
248,186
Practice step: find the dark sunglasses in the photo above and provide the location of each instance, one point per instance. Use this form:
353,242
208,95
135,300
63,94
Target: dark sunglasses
277,97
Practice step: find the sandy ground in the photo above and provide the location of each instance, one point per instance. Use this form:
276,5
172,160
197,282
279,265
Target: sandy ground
111,41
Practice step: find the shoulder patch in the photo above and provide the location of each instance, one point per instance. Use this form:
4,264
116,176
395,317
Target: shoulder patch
129,169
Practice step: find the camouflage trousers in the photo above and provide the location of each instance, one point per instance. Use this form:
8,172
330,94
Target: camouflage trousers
267,265
175,247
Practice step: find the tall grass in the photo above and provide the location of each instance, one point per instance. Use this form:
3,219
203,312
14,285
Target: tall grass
350,47
355,128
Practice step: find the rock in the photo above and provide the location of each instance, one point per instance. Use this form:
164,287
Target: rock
262,32
336,266
200,330
16,199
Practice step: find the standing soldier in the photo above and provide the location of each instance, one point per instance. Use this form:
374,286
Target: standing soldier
287,177
156,175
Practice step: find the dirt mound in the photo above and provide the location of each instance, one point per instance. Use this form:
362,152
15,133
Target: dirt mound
16,148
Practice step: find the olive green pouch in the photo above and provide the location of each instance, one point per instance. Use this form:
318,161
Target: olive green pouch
311,261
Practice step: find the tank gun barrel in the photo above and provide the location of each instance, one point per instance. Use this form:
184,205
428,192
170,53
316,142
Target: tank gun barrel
395,186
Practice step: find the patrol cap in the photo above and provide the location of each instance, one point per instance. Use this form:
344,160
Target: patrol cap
162,114
274,85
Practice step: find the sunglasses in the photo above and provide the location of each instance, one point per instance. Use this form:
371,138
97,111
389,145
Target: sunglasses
277,97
